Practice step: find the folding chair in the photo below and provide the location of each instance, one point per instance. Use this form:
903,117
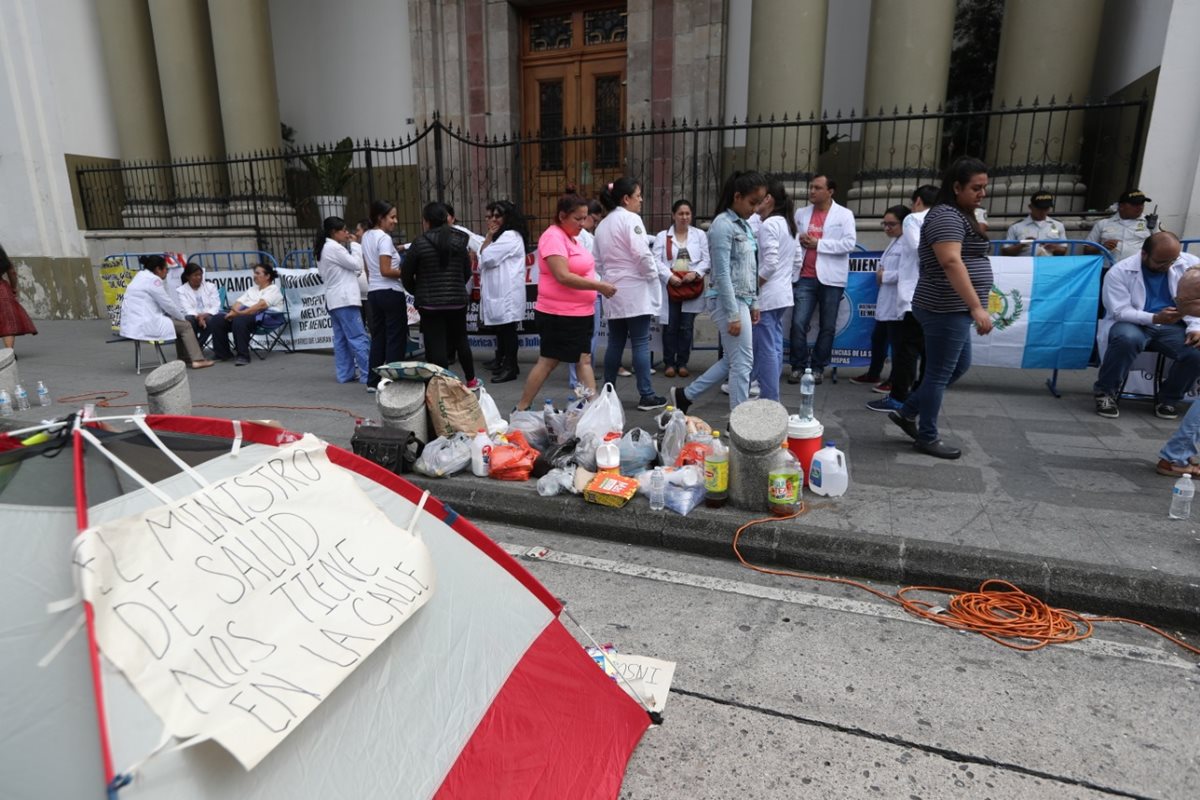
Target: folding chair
266,338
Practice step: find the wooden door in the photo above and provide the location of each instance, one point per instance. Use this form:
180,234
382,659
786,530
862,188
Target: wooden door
573,88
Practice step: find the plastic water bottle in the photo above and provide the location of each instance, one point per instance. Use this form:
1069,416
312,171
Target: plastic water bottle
21,398
783,483
808,388
6,408
658,489
548,412
1181,498
43,394
481,454
716,473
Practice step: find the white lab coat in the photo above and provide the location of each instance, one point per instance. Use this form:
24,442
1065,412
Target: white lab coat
194,302
835,246
502,280
776,258
1124,295
887,301
910,263
357,251
697,247
339,270
623,258
148,308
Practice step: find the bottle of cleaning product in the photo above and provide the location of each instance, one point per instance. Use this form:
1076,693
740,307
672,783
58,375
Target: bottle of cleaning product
716,473
808,389
481,452
783,483
829,474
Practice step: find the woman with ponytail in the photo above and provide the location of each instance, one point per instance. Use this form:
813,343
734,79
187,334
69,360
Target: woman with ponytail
386,295
339,269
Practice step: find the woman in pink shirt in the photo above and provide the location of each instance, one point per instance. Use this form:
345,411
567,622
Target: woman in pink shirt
566,300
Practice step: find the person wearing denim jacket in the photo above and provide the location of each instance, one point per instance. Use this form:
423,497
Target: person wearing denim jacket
733,291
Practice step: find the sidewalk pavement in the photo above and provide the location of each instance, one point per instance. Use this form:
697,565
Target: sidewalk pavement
1047,495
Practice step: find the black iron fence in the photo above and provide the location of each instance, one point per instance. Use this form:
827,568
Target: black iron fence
1085,152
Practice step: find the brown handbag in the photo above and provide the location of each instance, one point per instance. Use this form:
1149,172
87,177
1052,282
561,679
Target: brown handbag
684,291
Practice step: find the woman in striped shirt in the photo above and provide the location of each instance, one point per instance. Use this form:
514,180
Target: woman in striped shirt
950,299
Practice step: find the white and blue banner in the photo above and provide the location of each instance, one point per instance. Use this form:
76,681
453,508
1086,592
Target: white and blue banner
1043,311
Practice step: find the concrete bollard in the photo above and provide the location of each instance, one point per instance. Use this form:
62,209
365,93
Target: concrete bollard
757,428
8,371
402,405
167,390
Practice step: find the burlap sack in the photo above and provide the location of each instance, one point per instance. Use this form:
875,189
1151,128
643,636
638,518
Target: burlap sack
452,407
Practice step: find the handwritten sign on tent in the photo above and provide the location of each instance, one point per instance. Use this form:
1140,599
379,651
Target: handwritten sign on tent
236,610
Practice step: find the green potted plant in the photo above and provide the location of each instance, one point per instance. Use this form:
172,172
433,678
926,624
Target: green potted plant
331,171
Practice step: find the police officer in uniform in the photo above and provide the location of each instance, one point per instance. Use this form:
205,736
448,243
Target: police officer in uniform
1123,233
1037,225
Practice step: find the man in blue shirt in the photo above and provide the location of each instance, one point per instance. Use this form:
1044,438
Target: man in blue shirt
1140,314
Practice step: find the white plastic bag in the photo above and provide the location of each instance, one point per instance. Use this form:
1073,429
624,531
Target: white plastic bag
674,437
445,456
531,424
491,414
638,452
603,415
585,452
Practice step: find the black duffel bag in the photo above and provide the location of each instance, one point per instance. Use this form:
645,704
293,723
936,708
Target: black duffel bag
394,449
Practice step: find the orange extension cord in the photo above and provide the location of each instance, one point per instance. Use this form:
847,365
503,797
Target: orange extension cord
998,610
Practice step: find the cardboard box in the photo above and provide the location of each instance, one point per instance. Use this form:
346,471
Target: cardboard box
610,488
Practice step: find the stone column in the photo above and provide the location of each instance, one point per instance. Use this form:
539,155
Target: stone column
908,63
245,63
787,69
1046,52
137,108
183,47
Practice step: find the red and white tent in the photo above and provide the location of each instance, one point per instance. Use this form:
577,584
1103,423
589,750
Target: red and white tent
482,693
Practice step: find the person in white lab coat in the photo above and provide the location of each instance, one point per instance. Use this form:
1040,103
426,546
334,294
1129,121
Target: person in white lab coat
683,250
261,304
776,258
624,259
339,268
199,300
149,313
502,284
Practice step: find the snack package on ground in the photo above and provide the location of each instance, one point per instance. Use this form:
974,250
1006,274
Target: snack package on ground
674,437
697,427
638,451
602,415
532,425
445,456
452,406
556,456
610,489
694,452
491,414
682,499
585,451
557,481
512,460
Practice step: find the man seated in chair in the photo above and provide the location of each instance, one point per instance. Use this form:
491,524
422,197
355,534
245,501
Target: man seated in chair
261,304
1140,314
1178,456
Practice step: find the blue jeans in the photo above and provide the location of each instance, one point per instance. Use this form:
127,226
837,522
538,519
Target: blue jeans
637,331
1182,444
351,345
947,358
768,353
677,336
811,295
1126,340
734,365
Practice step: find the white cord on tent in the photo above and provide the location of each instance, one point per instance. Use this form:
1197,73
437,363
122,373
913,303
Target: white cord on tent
128,470
237,438
412,523
616,669
75,628
140,421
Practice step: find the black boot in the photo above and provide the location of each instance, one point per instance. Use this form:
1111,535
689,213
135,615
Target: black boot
493,365
507,371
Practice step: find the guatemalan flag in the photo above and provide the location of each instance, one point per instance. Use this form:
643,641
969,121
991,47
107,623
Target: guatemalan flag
1043,310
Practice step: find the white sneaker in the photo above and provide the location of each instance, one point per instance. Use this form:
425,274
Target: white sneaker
725,388
755,391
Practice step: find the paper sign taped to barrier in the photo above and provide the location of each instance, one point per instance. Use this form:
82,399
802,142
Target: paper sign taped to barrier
236,610
649,677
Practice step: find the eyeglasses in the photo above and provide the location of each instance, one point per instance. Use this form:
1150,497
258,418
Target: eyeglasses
888,224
